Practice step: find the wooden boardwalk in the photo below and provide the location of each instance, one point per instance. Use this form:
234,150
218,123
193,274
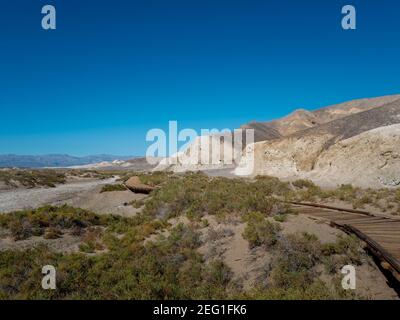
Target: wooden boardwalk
380,233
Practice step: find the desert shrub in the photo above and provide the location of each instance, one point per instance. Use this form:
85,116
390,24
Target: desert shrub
293,272
153,179
138,203
205,223
218,274
302,183
332,263
32,178
113,187
20,229
185,237
316,290
52,233
260,231
272,185
348,246
280,217
23,224
346,192
164,269
361,202
311,193
216,234
156,178
92,240
87,247
294,265
397,195
195,195
169,268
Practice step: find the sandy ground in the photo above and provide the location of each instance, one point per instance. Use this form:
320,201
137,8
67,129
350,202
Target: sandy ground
81,194
19,199
113,202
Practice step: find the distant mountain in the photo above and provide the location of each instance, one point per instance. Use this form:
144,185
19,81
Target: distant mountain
54,160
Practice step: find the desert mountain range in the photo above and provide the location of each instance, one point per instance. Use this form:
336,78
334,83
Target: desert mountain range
356,142
54,160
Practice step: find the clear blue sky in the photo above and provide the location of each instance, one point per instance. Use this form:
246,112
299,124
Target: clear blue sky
114,69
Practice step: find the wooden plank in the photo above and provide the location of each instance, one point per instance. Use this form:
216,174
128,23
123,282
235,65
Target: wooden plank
349,218
354,217
330,207
376,246
360,222
382,234
383,230
383,239
377,221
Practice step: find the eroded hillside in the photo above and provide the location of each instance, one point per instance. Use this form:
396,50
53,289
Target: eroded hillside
353,142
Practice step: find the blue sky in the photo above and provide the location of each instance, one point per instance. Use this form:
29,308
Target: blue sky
115,69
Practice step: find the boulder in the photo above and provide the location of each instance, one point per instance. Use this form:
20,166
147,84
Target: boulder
134,184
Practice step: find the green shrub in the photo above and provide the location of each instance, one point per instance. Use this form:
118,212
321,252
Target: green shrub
316,290
259,231
346,192
361,202
113,187
26,223
52,233
280,217
397,195
195,194
347,246
302,183
32,178
293,267
138,203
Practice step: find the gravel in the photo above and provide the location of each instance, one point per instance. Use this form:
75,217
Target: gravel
20,199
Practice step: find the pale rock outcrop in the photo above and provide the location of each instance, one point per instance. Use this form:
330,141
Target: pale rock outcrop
370,159
205,153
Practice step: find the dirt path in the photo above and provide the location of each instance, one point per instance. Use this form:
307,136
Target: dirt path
30,198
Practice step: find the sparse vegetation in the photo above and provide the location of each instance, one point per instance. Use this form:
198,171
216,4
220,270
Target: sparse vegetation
280,217
168,269
52,233
294,266
294,272
113,187
32,178
118,260
260,231
385,200
196,194
51,220
302,183
137,203
153,179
